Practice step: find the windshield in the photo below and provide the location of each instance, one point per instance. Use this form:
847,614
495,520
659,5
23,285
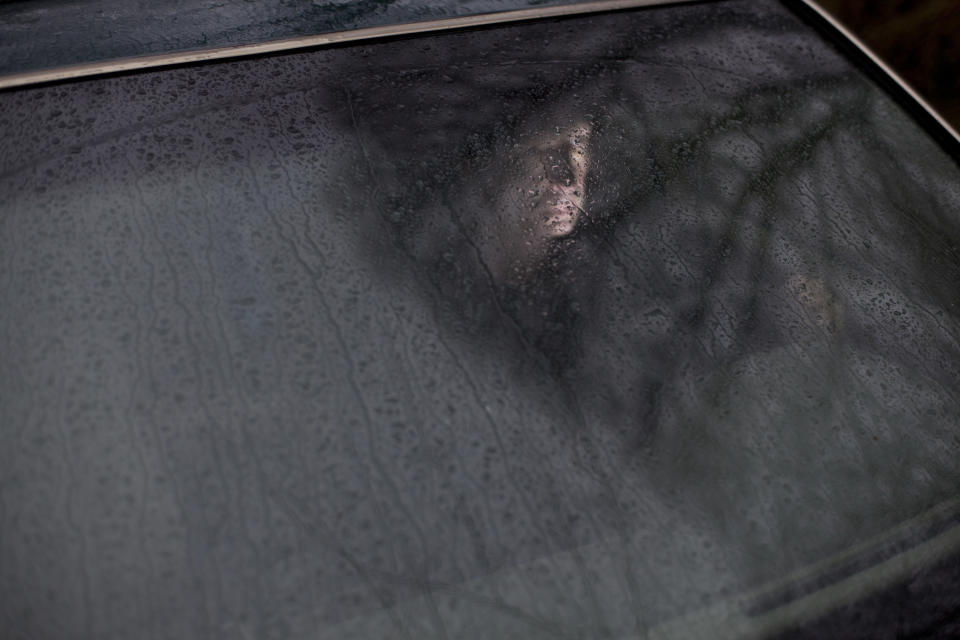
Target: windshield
635,323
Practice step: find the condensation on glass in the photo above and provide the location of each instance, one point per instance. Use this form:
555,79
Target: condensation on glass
581,328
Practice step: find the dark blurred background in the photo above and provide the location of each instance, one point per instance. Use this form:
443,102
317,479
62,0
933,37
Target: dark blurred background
920,39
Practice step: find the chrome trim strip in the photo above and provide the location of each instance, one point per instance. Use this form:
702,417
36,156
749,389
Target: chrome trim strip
813,6
730,619
319,40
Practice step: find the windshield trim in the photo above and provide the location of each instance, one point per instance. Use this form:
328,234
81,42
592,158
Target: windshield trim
889,558
138,63
887,71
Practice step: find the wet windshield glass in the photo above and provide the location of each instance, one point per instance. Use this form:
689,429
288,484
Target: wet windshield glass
589,327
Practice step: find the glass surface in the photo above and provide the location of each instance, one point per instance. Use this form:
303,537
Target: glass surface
44,34
582,328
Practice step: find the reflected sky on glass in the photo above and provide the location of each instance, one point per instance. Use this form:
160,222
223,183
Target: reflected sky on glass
565,329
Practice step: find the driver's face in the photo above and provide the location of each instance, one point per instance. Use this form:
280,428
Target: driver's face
541,199
555,170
